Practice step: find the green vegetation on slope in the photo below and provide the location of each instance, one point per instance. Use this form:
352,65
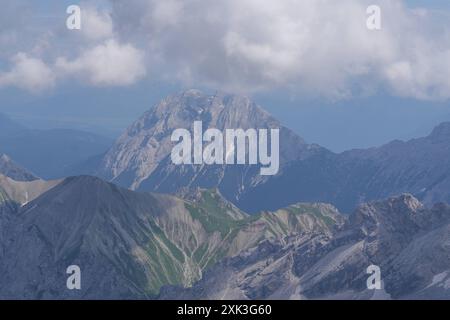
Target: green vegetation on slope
227,231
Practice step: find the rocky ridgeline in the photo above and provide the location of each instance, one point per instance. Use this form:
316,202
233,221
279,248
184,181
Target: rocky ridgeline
410,244
143,245
129,244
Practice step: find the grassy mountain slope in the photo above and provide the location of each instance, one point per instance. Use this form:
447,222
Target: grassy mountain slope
130,244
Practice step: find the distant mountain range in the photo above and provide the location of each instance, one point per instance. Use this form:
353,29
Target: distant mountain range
48,153
419,166
140,160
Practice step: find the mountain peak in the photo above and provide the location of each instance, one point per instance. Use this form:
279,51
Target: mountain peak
192,92
403,212
405,203
441,132
146,144
197,100
90,186
12,170
5,158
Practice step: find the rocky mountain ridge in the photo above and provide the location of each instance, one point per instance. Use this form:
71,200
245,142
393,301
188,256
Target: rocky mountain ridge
11,169
143,245
130,244
409,243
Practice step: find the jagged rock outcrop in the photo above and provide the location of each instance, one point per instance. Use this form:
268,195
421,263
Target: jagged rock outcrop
410,243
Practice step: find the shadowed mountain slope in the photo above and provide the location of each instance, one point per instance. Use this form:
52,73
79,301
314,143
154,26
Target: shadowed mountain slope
129,244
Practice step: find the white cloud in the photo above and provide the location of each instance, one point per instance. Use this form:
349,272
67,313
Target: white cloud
314,46
28,73
96,24
107,64
46,51
319,47
425,77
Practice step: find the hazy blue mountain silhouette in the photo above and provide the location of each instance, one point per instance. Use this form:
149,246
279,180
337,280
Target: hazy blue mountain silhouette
48,153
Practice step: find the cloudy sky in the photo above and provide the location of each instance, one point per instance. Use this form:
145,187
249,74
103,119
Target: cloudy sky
309,61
